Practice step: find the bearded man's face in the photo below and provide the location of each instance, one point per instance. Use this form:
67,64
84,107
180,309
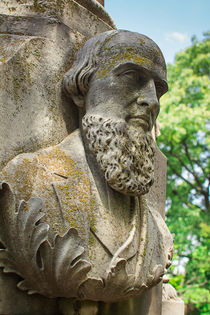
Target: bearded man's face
125,155
122,105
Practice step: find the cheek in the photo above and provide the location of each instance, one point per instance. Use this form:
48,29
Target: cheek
156,110
109,97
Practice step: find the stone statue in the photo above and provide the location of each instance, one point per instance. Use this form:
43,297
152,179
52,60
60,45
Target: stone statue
76,219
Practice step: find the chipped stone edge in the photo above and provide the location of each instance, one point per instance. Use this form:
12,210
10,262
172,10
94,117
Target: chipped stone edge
97,9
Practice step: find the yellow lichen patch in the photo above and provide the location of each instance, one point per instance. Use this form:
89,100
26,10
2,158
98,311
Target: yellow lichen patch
3,59
72,188
21,177
63,187
126,55
108,39
141,40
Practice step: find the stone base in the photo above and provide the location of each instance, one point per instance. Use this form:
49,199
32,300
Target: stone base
149,303
173,308
171,304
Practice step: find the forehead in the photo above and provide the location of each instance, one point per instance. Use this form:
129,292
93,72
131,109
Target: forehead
134,48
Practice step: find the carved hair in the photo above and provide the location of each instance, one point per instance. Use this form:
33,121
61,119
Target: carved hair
76,80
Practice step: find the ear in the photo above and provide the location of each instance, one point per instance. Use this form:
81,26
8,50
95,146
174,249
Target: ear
71,89
79,100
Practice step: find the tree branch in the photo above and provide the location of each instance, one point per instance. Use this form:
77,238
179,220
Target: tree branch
201,167
206,198
187,153
184,179
187,203
189,170
192,160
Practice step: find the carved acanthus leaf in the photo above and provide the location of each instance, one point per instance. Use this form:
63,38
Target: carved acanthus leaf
113,287
49,269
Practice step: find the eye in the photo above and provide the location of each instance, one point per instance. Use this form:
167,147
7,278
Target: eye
132,77
132,74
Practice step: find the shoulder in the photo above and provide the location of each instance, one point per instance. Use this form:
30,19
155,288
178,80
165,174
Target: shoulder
67,159
72,146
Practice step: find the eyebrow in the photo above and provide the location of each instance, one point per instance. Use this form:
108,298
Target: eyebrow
131,65
119,69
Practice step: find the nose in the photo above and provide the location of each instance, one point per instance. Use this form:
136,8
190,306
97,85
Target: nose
148,98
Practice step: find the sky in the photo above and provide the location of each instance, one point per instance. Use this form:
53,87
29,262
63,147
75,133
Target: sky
170,23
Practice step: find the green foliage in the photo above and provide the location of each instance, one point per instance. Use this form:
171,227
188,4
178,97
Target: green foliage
184,118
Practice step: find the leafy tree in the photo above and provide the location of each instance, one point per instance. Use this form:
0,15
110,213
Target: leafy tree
185,111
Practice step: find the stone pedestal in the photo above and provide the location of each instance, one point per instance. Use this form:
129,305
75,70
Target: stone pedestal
149,303
171,304
173,308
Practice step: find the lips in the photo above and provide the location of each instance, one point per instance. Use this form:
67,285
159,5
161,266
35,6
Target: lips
142,120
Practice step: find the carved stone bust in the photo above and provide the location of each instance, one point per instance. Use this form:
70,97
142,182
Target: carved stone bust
75,217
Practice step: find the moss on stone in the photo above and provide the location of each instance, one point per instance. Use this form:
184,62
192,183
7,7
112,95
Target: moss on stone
140,39
34,176
121,56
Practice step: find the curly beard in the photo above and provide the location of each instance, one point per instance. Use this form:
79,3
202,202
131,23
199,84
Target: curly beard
125,155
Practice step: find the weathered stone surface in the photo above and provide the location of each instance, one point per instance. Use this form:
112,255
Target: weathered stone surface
69,12
149,303
31,108
62,172
70,214
172,304
69,307
157,193
14,301
38,41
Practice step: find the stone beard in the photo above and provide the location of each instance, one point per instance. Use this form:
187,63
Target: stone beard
125,154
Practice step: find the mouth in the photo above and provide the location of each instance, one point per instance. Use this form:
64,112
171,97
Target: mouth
141,120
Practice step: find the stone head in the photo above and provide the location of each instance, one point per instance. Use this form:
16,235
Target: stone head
118,79
119,73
